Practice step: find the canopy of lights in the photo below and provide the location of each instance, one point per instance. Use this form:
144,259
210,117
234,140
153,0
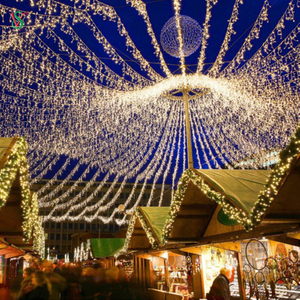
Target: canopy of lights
92,112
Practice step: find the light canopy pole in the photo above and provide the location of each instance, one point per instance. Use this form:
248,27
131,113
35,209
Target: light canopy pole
188,128
180,37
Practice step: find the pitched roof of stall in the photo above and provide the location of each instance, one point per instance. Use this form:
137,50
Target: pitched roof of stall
241,187
14,188
156,218
106,247
4,146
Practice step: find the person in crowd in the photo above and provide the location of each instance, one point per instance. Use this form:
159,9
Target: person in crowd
220,287
41,287
72,276
26,284
56,268
88,285
58,283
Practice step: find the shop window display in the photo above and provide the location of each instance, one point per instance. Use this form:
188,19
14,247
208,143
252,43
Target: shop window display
173,273
180,272
271,270
213,259
159,276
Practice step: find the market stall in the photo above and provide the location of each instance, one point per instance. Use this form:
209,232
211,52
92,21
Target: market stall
104,249
219,206
101,252
20,226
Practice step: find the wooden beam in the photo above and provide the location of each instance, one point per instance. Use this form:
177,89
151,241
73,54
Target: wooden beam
260,231
240,274
139,234
182,239
286,240
282,217
138,249
197,280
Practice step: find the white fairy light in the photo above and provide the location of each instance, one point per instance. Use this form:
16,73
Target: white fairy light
72,107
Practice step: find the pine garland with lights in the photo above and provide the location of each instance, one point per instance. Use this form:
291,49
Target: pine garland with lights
38,230
287,156
176,203
9,171
148,231
16,161
128,235
190,175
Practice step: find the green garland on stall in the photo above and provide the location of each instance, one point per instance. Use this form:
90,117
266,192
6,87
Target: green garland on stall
38,230
190,175
175,204
148,231
278,173
128,235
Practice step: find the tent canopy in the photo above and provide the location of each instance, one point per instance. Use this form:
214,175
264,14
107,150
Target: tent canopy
106,247
241,187
4,145
156,218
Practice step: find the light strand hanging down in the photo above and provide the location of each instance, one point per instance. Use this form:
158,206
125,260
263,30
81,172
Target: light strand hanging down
95,105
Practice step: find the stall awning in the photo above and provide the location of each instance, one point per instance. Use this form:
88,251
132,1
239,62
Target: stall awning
106,247
242,187
156,218
4,145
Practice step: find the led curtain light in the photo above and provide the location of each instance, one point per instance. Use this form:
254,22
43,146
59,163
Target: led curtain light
93,112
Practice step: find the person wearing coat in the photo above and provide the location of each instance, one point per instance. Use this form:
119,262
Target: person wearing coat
220,287
41,287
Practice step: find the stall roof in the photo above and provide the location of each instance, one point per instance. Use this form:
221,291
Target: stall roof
9,250
242,187
264,201
4,146
17,206
106,247
156,218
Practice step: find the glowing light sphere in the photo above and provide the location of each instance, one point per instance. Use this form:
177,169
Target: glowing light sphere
191,33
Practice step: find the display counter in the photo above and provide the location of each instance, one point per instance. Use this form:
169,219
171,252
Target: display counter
155,294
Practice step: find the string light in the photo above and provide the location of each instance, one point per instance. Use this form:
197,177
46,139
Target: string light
75,110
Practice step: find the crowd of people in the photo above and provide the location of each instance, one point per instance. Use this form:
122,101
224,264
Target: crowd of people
49,281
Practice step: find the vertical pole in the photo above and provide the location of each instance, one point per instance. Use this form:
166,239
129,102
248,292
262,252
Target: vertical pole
188,129
240,274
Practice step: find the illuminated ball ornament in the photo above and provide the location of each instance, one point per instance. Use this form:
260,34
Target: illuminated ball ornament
191,33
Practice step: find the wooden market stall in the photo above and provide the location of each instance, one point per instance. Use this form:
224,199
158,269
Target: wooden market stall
99,251
233,206
104,249
144,242
215,214
20,227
